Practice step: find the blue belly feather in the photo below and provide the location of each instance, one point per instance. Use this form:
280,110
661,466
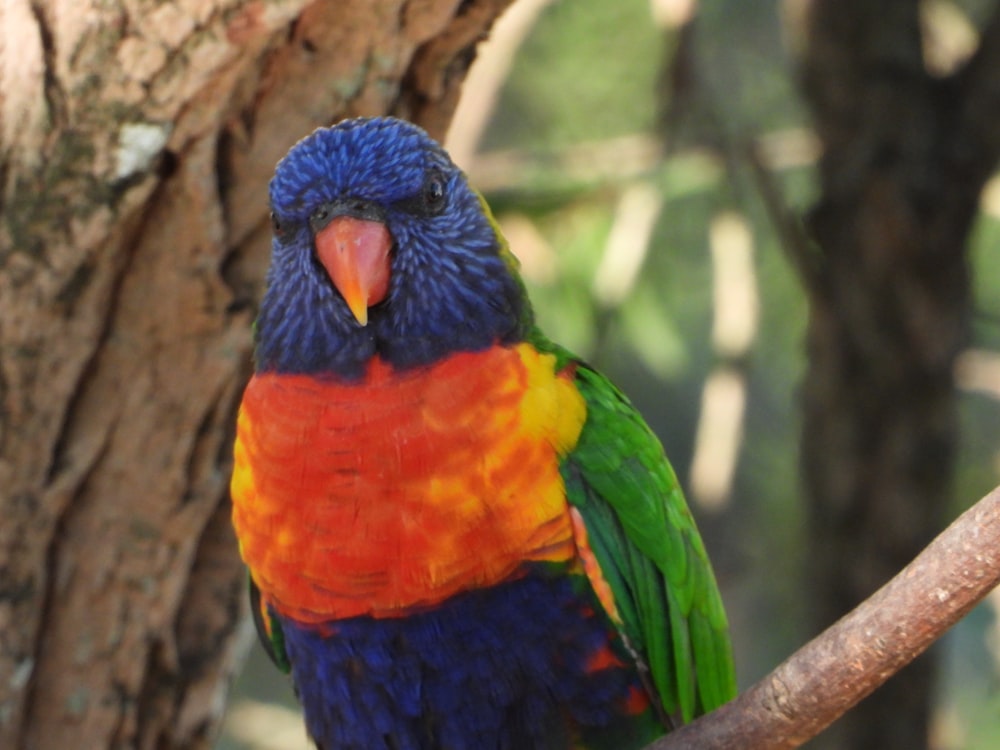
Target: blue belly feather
503,667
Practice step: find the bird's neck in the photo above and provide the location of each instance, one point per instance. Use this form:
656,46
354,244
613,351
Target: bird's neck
307,332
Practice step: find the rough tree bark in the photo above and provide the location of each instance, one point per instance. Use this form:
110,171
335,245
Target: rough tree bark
905,157
136,140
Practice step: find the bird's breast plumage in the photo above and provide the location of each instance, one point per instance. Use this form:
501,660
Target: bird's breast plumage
392,493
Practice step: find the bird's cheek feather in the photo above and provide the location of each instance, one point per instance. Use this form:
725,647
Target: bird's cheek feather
355,252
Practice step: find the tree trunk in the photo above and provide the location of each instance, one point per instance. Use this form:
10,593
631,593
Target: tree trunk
905,157
136,142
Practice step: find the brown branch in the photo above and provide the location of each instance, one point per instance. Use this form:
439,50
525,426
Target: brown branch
800,249
831,673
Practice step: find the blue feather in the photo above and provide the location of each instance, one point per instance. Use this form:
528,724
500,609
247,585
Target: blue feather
450,290
503,667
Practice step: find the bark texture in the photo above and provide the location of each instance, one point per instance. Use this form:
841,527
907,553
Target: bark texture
136,141
905,157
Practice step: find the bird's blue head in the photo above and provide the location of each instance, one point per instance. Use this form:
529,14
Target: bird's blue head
381,248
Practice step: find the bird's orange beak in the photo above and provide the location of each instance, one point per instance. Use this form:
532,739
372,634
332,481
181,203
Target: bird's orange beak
355,252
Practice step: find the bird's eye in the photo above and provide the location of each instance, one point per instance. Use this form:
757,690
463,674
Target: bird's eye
434,192
277,227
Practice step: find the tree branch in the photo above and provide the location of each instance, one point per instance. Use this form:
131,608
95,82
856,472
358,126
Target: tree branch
849,660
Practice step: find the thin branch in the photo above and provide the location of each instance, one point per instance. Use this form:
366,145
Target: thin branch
801,251
831,673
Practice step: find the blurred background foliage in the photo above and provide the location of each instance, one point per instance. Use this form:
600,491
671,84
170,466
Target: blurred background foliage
641,167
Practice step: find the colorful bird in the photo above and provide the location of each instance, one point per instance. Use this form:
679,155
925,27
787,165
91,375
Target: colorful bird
459,535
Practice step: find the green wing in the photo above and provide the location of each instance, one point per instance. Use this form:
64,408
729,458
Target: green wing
648,548
269,631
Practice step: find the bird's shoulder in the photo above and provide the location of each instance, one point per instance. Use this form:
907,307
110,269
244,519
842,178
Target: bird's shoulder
646,547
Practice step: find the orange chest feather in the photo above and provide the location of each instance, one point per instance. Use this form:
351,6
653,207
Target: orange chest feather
404,489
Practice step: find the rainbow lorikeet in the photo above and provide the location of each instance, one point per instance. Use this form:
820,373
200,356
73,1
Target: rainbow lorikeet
459,535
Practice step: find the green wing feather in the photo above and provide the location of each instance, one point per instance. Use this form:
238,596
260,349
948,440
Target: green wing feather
269,631
648,548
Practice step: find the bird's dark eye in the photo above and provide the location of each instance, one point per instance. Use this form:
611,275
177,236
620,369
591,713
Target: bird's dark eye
277,226
430,199
434,192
